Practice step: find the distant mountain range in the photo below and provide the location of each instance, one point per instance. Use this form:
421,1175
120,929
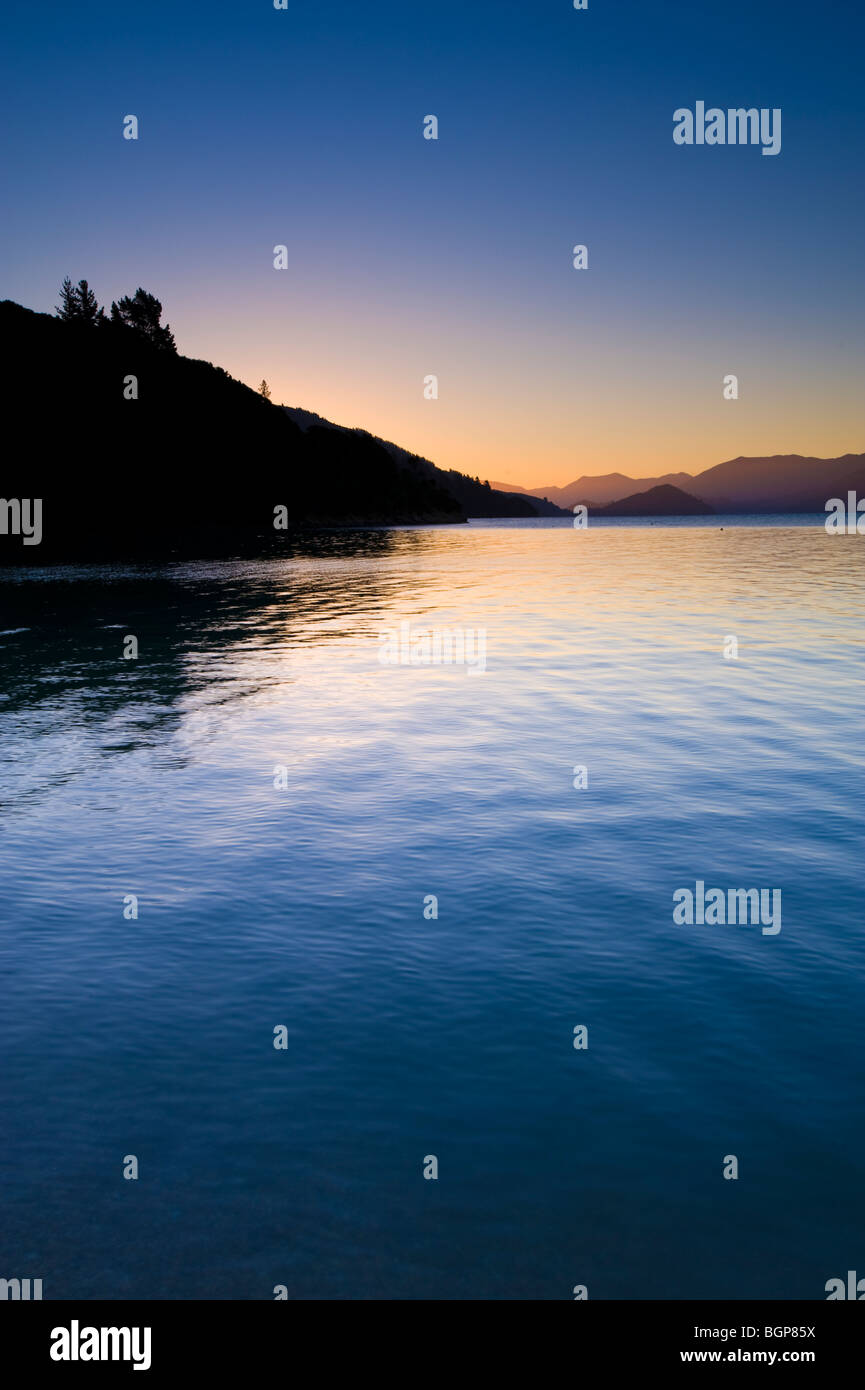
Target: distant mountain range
782,483
600,490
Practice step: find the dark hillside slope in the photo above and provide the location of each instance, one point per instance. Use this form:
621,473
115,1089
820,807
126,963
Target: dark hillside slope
476,499
195,466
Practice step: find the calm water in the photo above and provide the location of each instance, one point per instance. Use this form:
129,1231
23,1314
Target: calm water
302,905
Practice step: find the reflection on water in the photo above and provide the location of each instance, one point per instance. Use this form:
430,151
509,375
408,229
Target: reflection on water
297,899
201,633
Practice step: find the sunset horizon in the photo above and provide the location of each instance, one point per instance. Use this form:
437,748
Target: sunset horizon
432,586
438,431
697,263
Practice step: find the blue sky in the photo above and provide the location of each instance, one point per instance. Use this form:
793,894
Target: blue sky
407,257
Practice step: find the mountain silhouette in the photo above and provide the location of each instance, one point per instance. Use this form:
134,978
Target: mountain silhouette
476,498
782,483
656,501
138,452
599,489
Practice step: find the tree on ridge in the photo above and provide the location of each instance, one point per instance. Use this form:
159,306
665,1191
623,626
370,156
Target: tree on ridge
78,303
142,312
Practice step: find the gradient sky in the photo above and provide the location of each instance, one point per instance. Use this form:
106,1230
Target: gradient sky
410,257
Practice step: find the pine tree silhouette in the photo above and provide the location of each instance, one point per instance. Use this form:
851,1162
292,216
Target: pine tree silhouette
78,303
68,307
88,309
142,313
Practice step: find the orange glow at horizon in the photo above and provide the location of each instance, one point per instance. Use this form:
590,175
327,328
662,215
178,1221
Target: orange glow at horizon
526,408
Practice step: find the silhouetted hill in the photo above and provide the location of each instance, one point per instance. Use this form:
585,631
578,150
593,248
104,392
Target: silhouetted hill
656,501
598,490
195,466
476,498
783,483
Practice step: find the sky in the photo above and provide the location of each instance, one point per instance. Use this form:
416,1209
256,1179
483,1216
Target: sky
410,258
